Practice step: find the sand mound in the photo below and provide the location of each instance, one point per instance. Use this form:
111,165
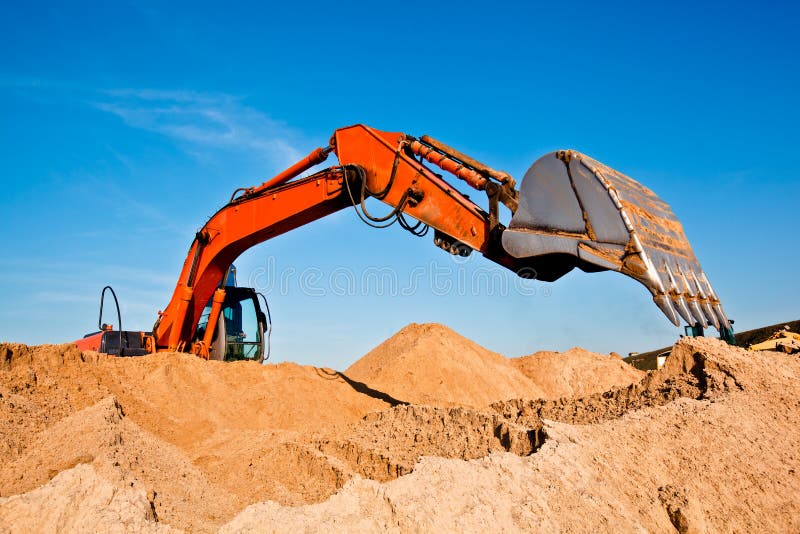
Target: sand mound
92,442
79,500
190,430
723,461
176,396
431,364
576,372
121,451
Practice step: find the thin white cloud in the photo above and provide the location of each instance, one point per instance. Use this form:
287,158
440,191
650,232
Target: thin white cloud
205,122
205,125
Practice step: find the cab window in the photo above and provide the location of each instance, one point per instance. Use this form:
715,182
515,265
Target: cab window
242,332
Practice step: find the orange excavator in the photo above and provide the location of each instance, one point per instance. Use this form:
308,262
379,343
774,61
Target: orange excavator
569,211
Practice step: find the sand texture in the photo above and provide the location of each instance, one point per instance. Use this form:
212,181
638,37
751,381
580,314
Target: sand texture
428,431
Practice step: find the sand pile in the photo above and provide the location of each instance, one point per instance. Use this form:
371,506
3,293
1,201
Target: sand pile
576,372
207,437
92,442
432,364
726,460
80,500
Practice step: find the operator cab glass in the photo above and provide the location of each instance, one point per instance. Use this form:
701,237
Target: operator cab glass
240,329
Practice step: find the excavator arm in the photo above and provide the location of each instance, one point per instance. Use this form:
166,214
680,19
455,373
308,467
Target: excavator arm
372,163
394,168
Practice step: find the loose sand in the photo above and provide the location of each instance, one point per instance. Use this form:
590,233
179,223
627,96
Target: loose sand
576,372
427,431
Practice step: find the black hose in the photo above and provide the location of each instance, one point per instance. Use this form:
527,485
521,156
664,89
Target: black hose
396,215
119,315
368,219
413,229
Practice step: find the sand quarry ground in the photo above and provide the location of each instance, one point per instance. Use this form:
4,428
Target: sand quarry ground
429,431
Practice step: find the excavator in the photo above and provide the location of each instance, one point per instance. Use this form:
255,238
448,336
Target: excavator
569,211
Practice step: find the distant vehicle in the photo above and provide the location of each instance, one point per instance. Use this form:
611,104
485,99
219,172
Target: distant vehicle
783,340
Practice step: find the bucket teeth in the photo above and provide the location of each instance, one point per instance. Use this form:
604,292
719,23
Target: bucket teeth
711,317
707,289
576,212
723,319
664,303
703,294
697,313
683,309
676,294
714,303
708,311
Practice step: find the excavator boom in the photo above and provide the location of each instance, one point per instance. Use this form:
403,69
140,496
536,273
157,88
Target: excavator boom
570,211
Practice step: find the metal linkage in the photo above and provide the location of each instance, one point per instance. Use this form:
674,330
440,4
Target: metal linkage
444,162
499,186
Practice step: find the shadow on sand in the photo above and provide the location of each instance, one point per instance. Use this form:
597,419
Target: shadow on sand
361,387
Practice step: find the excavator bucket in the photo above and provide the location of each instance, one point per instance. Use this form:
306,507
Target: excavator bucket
576,212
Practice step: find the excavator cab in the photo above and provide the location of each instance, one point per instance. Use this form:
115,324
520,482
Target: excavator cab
243,328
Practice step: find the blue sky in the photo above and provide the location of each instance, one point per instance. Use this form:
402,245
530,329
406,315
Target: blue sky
125,125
